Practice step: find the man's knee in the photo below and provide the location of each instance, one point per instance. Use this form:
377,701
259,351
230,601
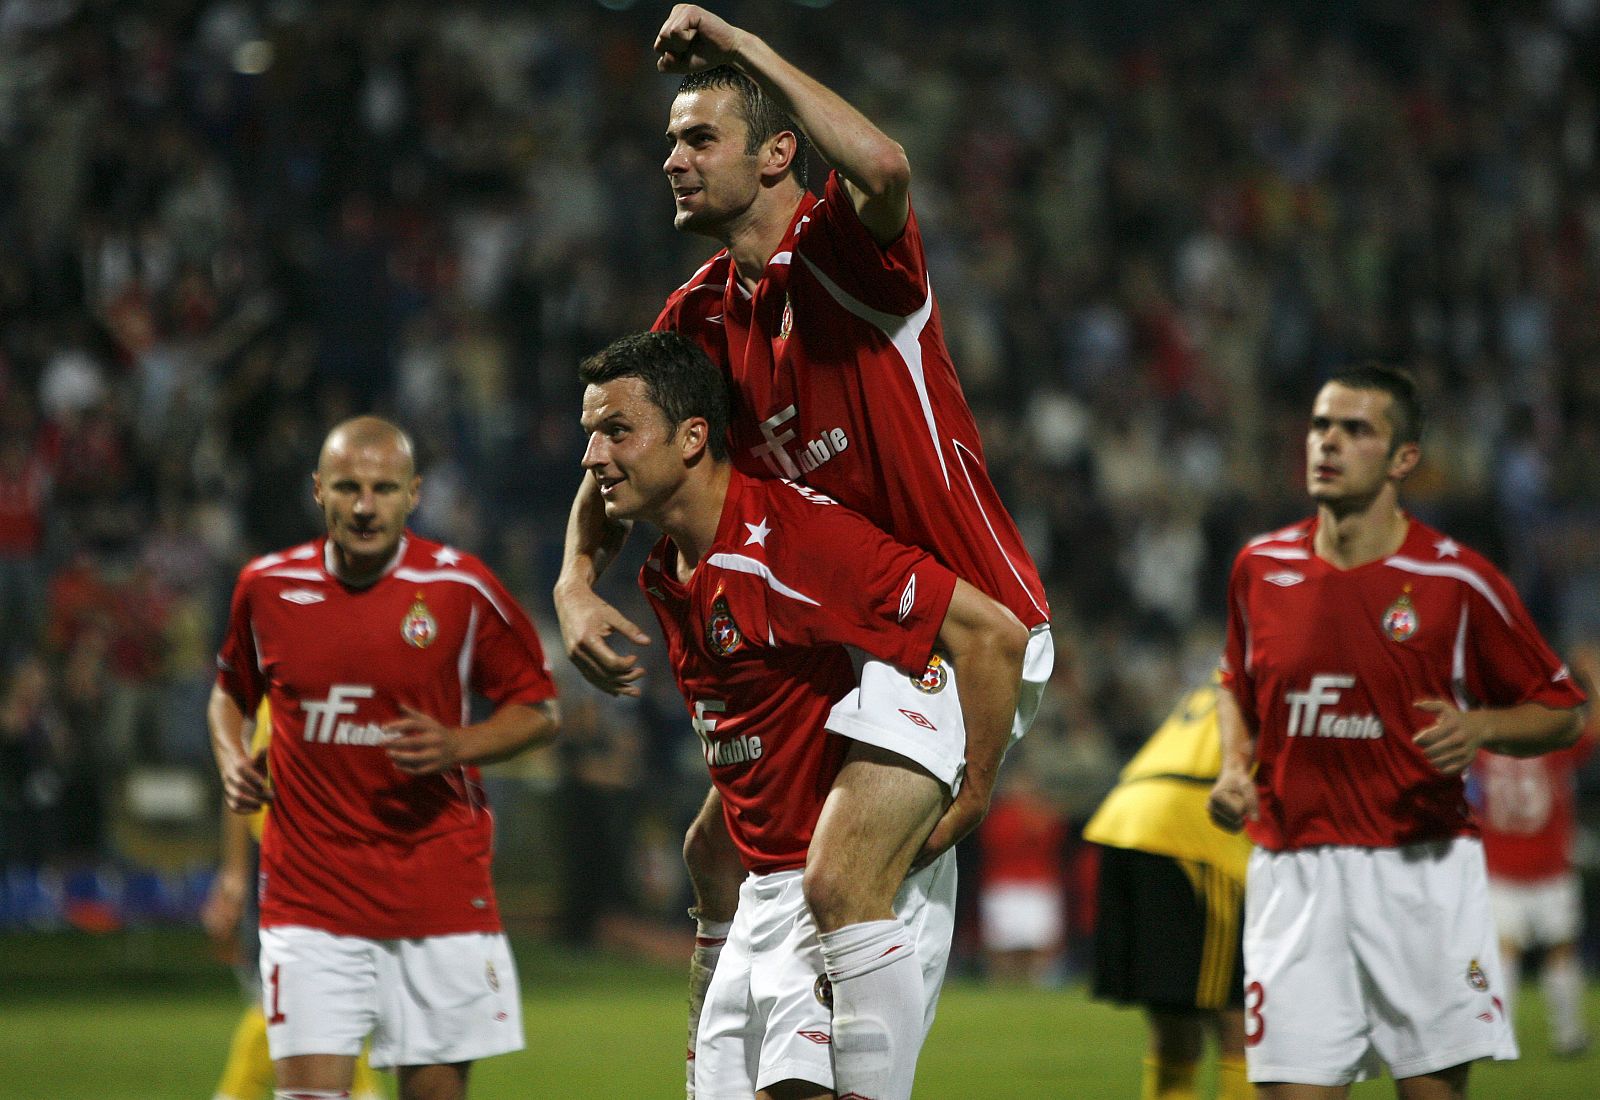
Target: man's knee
833,895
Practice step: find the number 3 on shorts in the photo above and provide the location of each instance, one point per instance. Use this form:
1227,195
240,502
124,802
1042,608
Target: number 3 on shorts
274,1010
1255,1025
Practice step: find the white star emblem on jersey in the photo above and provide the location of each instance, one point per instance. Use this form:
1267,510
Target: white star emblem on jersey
1448,547
758,533
446,555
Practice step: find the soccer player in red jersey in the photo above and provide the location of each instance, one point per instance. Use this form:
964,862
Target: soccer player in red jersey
1368,659
821,315
760,586
378,912
1527,811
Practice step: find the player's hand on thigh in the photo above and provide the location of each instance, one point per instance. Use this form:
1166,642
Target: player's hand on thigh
586,622
964,814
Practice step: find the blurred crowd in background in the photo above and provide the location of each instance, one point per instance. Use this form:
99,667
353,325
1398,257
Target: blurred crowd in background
1153,229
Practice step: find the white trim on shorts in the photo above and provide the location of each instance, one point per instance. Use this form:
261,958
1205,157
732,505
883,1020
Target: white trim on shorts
1357,958
1543,913
764,1019
897,712
436,1000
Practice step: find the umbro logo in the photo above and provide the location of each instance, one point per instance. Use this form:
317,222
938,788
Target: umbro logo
821,1038
908,598
303,596
1284,578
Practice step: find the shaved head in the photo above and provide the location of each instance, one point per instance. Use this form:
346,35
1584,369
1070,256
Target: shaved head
360,432
366,484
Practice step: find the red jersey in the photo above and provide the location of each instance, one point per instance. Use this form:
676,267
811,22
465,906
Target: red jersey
841,380
1326,665
1527,811
353,845
1022,840
757,639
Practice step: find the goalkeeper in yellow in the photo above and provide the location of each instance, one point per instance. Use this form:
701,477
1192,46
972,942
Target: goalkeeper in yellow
1171,902
229,917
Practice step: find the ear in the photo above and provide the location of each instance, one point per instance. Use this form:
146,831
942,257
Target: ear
777,156
1407,457
316,487
694,434
416,493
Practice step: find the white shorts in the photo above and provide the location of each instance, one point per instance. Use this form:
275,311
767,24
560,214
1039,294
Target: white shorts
1359,957
919,717
1537,914
1021,916
430,1001
768,1014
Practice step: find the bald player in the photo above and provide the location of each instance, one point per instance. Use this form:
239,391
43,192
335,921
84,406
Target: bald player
378,915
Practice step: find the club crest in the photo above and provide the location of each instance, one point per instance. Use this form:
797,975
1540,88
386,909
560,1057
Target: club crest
1476,978
822,990
419,628
786,325
1400,621
722,633
933,678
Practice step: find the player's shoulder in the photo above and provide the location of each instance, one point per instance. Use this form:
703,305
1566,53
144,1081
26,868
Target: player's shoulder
424,555
1284,544
709,280
303,562
1428,552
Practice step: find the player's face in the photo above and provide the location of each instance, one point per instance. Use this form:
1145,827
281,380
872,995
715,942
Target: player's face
366,492
633,455
714,181
1349,454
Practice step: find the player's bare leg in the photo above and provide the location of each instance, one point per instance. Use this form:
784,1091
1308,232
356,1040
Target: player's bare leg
442,1082
873,823
1233,1077
795,1090
325,1072
1177,1041
714,874
1279,1090
1447,1084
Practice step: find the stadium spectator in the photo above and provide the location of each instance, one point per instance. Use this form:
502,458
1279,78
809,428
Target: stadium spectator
1526,809
1369,657
1170,911
375,858
758,624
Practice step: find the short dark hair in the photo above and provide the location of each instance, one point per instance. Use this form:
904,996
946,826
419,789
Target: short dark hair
1405,409
763,118
679,378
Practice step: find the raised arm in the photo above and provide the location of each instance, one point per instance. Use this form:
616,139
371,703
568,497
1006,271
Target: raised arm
592,542
876,172
986,644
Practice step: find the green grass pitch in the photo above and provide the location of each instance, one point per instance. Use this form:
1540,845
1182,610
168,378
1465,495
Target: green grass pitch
146,1016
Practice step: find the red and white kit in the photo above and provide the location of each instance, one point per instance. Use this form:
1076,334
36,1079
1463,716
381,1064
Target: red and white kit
1327,664
757,641
350,836
1367,933
841,380
1527,809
